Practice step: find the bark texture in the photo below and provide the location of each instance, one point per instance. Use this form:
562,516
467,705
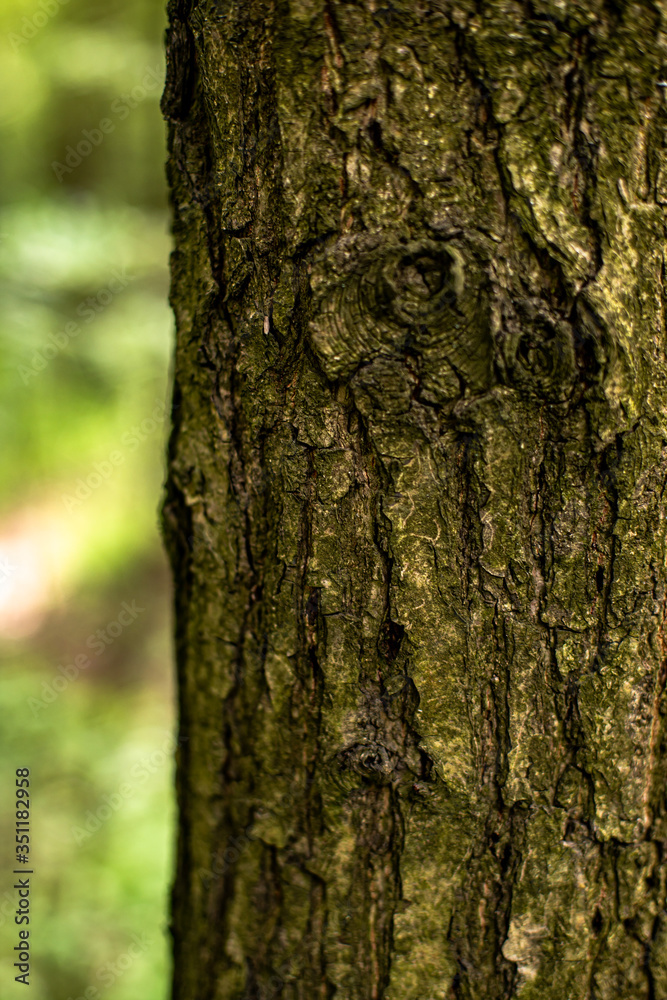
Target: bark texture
415,502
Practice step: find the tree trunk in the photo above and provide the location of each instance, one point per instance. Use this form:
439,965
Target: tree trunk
415,498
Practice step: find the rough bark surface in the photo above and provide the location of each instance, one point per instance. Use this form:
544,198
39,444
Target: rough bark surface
415,498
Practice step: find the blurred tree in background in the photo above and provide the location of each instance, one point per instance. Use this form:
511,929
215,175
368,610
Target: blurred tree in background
85,680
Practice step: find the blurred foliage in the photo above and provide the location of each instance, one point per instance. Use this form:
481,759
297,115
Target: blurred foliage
86,335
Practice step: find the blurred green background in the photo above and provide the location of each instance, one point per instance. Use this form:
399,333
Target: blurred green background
85,684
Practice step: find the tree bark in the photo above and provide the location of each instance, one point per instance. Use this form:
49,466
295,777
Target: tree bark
415,501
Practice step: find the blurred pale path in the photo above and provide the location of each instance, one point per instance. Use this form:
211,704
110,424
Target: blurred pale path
85,673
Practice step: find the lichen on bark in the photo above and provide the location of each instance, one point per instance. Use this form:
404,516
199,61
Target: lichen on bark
415,498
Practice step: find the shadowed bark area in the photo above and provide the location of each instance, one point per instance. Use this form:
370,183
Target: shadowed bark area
415,498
